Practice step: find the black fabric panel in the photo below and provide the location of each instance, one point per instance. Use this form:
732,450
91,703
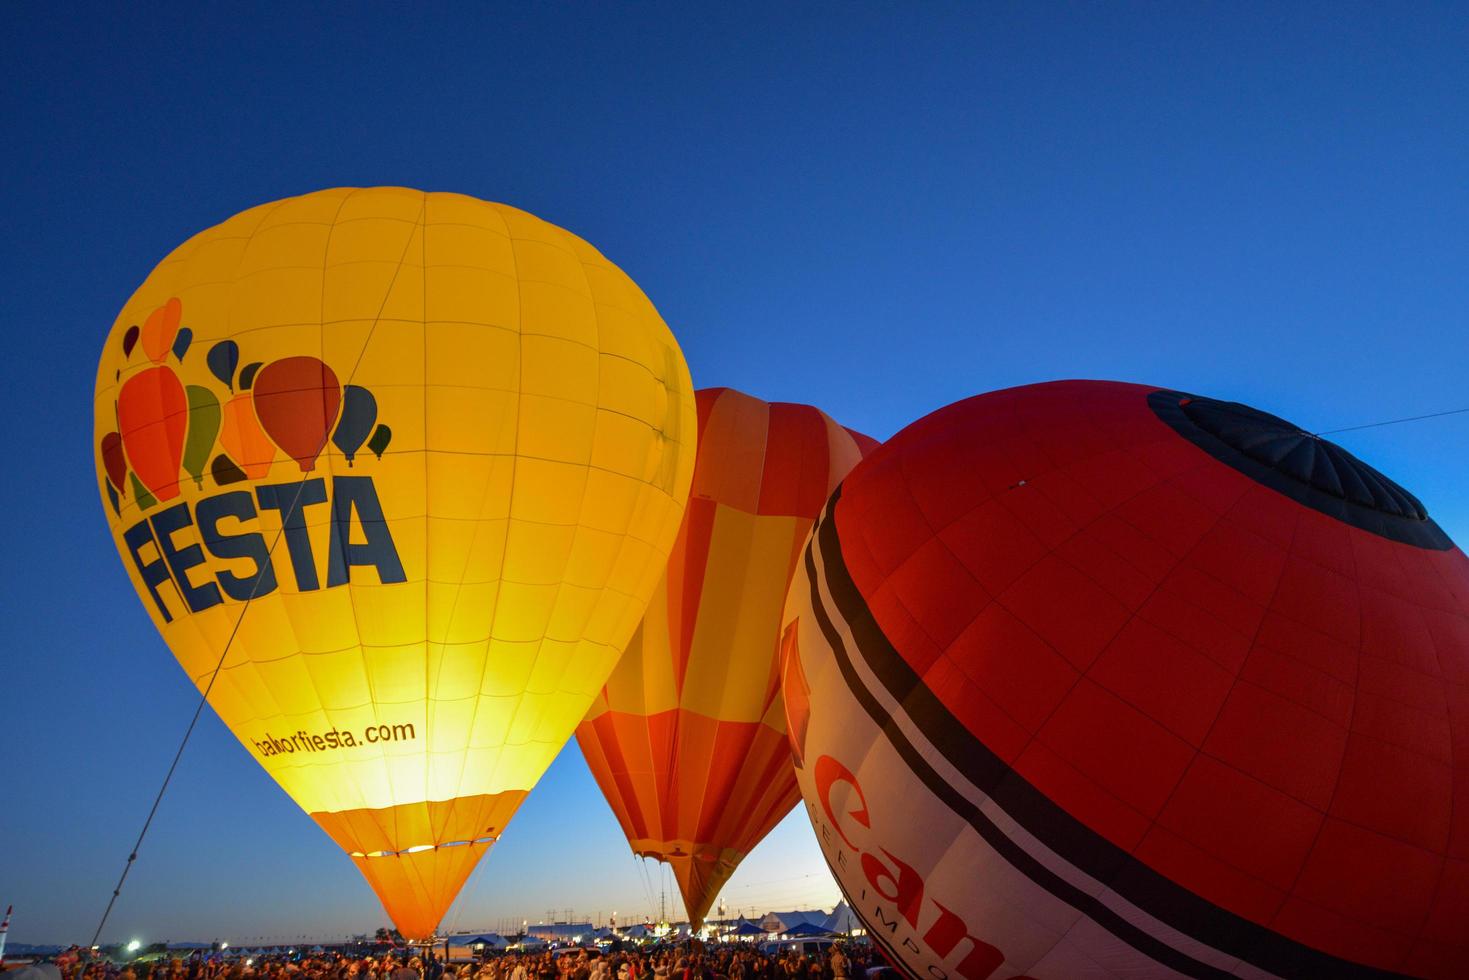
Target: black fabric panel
1314,472
1073,841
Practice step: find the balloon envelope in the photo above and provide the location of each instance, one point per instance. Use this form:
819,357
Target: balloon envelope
687,740
405,645
1094,679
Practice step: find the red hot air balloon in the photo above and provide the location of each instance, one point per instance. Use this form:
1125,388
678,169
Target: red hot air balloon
1095,679
153,418
296,400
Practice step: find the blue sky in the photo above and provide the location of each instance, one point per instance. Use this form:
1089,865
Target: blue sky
876,209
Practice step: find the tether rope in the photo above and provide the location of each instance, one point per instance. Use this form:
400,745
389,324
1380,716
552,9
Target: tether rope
1411,418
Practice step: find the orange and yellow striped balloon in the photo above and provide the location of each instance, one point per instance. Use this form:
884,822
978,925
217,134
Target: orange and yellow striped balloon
405,468
688,739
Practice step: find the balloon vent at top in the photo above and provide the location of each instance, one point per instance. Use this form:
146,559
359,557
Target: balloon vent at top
1312,470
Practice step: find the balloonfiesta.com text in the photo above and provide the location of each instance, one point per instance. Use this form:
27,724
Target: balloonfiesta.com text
303,741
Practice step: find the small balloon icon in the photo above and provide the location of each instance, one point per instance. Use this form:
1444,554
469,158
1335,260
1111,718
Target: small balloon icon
204,421
160,329
247,376
359,414
222,359
153,417
113,460
129,340
241,436
140,493
224,471
181,342
296,401
379,441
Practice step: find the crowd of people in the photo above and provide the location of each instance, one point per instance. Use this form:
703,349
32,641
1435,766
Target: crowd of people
688,961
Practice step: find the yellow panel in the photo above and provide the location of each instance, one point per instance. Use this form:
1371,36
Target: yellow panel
734,608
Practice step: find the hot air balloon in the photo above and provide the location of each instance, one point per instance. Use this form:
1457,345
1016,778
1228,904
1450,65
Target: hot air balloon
1098,679
405,644
687,740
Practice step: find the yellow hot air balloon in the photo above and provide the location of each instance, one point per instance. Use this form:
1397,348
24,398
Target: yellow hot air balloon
459,447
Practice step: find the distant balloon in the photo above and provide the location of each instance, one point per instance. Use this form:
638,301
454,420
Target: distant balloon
359,414
687,740
381,436
160,330
243,438
1104,680
181,342
153,418
204,422
222,359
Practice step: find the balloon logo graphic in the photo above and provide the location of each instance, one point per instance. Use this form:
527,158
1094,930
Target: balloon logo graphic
222,359
381,436
153,415
181,343
160,330
225,472
204,420
129,341
405,690
112,459
359,415
144,499
243,439
296,400
247,376
1107,680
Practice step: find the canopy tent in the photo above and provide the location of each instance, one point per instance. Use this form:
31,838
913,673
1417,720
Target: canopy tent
491,939
806,929
746,928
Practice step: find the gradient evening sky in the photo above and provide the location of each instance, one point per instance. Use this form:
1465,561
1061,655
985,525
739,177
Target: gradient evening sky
876,209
